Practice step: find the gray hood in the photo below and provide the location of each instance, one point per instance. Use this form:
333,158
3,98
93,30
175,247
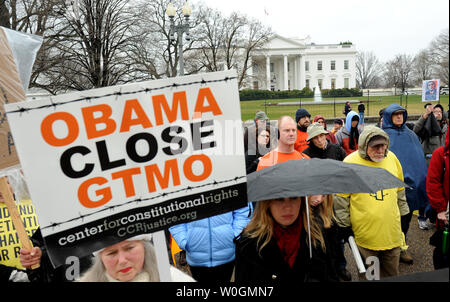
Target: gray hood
365,136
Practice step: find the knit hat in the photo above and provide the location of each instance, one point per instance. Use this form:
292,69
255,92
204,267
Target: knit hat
314,130
301,113
144,237
261,115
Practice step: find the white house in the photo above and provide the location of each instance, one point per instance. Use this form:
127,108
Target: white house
287,64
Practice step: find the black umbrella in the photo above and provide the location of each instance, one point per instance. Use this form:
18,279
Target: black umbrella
315,176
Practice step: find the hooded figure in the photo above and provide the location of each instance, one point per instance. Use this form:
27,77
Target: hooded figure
406,145
375,219
348,136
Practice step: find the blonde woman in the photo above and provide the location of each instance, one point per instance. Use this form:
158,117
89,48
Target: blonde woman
274,244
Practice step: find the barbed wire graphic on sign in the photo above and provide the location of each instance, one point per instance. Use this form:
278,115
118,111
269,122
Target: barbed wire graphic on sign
22,109
81,217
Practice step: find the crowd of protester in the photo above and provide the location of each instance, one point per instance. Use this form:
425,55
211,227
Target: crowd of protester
267,240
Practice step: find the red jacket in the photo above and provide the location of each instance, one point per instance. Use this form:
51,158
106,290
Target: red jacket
438,178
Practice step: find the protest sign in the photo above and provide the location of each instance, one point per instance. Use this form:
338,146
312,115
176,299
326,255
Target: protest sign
11,91
430,90
9,238
107,164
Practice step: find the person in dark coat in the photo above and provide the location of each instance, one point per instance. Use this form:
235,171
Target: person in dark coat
405,144
347,108
320,147
361,109
259,148
274,245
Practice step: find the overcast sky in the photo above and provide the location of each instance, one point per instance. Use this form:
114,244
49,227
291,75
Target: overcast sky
386,27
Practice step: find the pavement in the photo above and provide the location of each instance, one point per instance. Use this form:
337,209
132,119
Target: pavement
419,248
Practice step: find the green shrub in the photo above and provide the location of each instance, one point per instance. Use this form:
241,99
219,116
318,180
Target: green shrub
256,94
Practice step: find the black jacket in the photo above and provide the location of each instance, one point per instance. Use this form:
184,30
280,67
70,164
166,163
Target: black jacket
250,266
46,272
332,151
361,108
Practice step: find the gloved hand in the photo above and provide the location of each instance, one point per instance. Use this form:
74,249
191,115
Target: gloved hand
344,233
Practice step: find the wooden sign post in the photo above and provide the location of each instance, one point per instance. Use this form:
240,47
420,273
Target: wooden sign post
15,217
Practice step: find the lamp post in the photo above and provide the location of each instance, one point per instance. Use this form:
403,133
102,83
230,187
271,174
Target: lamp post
180,29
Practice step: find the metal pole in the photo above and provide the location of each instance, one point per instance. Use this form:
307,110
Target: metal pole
334,105
180,50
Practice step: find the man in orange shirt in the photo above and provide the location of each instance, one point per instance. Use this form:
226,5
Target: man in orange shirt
302,117
285,150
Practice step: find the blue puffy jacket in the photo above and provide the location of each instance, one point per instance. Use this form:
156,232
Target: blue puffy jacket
406,146
209,242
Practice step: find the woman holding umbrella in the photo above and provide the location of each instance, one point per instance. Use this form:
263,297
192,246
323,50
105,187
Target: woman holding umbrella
274,244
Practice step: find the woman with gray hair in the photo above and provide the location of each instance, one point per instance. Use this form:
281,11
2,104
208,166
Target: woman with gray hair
131,260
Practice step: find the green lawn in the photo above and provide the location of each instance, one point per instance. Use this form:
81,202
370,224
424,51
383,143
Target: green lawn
414,106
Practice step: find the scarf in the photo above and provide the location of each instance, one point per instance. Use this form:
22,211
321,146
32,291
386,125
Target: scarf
288,240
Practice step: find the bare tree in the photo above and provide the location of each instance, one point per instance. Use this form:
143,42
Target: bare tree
368,69
154,54
4,15
439,53
399,71
423,66
90,50
256,36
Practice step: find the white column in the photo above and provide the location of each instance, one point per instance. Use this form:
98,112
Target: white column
285,73
268,72
250,74
302,72
295,77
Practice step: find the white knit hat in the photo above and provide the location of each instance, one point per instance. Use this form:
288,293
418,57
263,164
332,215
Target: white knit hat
144,237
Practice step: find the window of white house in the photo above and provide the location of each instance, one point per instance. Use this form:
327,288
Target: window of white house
306,65
346,82
255,68
255,85
346,64
333,83
271,67
319,83
333,65
289,67
319,65
307,83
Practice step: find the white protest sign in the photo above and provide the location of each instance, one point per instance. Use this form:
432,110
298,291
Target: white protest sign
430,90
107,164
